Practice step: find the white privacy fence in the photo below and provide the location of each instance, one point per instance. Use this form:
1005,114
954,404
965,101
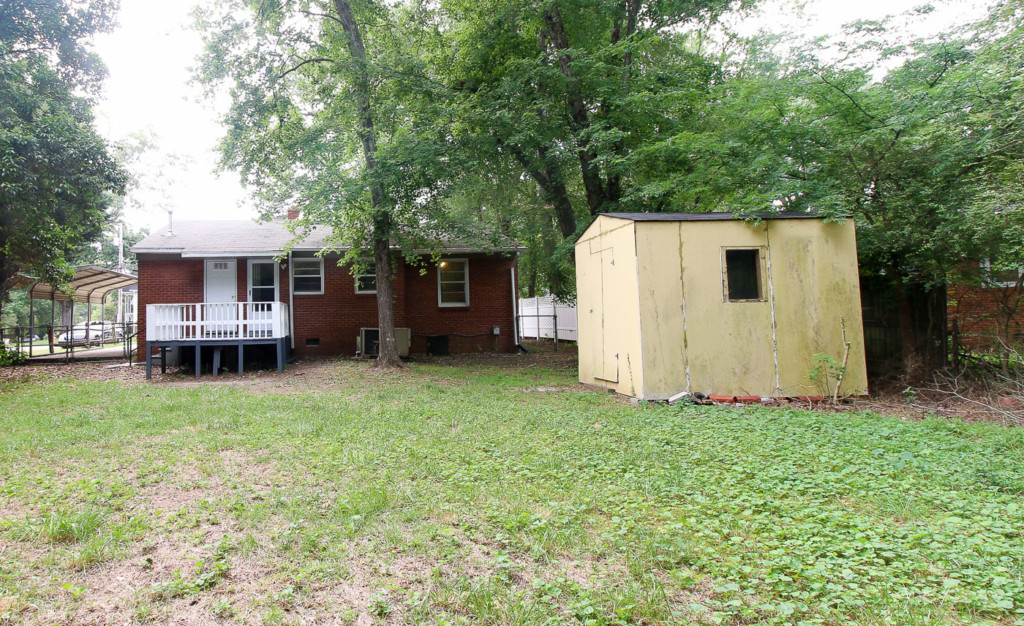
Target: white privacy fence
544,317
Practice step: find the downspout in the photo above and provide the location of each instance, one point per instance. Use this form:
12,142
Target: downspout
515,307
291,302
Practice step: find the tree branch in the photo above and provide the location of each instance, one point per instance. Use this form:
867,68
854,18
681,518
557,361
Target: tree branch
306,62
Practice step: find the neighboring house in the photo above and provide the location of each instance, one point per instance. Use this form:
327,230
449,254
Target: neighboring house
986,312
702,302
213,287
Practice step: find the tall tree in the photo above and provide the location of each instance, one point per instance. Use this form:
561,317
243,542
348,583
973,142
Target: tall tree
565,92
331,113
58,177
908,155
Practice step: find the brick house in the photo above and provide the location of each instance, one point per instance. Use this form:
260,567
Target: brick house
218,287
988,311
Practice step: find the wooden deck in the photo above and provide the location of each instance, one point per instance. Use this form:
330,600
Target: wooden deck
217,325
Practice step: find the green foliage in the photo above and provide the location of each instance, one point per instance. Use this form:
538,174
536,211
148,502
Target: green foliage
825,372
58,176
11,356
554,103
205,575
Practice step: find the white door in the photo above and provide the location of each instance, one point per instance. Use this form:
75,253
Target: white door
218,311
221,281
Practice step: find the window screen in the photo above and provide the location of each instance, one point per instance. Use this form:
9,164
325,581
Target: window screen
367,281
453,282
307,275
743,274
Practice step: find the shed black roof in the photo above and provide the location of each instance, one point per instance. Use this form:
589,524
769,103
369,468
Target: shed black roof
711,217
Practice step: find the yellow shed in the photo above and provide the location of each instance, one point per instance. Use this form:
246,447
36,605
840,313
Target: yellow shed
703,302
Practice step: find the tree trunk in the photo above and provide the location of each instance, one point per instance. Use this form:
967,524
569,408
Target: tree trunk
387,351
66,309
387,354
587,156
549,179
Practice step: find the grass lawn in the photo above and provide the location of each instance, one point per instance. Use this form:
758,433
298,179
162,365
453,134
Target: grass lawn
490,490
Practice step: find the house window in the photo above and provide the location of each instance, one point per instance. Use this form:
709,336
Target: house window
743,274
307,276
367,281
453,282
1001,277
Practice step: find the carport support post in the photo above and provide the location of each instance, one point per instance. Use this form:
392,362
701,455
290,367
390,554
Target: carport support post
31,318
53,312
70,350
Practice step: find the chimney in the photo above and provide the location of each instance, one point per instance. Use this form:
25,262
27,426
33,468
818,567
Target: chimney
293,214
170,224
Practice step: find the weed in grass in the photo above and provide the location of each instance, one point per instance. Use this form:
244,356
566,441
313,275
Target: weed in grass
222,608
59,526
206,573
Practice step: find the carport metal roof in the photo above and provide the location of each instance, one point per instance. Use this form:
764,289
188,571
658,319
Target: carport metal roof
90,284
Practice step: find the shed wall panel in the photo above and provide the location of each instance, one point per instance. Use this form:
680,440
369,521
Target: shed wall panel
817,286
730,344
659,248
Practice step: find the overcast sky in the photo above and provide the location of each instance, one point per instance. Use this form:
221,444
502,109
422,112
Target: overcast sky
151,53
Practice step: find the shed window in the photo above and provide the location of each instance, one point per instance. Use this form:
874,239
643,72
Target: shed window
743,274
367,281
453,282
307,276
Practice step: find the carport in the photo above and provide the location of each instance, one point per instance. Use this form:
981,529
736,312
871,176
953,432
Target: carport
91,284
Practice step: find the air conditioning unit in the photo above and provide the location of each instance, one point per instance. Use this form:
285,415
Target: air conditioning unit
369,339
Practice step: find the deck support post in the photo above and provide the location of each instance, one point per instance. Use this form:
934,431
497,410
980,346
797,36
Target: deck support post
163,359
149,363
241,358
199,348
280,355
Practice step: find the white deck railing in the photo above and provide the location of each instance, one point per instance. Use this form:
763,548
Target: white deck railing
209,321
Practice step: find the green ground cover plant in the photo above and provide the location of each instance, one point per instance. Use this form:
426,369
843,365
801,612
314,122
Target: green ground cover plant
491,490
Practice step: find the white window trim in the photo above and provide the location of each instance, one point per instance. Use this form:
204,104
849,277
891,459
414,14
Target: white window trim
465,282
303,260
277,279
366,291
987,266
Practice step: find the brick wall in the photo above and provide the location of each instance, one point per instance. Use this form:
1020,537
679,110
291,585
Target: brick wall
167,281
976,311
335,317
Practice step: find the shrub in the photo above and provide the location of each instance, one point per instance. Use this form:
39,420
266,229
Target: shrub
10,357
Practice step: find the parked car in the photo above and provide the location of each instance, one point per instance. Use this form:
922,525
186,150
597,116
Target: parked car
90,332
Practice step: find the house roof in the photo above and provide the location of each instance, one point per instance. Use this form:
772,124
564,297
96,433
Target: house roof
227,237
247,238
711,217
